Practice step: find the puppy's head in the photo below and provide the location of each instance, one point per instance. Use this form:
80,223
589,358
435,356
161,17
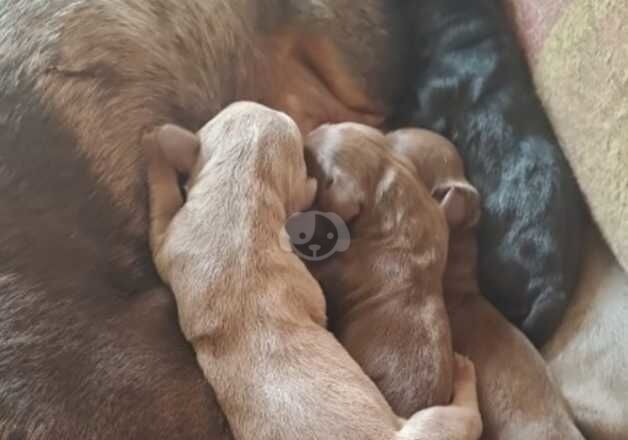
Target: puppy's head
251,137
439,165
267,143
345,159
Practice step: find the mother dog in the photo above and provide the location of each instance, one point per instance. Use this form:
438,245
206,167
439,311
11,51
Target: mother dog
89,342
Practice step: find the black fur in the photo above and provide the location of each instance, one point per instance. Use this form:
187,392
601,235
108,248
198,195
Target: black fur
473,85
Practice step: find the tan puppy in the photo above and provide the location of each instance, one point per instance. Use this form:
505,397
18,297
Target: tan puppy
251,310
517,397
385,292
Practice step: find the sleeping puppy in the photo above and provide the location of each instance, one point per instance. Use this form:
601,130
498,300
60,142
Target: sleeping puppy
252,312
517,397
384,293
474,87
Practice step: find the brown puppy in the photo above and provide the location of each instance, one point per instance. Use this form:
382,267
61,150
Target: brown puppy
251,310
518,400
384,293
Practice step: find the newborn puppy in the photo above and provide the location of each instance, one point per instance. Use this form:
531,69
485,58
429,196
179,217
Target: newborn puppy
474,87
518,400
384,293
251,310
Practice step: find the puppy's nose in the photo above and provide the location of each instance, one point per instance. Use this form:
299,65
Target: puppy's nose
315,248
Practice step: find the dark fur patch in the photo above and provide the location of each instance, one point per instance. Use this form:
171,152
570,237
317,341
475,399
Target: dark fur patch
75,337
473,86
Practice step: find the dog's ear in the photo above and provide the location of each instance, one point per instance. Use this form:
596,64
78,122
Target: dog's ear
342,195
179,146
460,202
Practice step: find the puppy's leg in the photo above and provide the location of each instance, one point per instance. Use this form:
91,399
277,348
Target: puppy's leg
517,398
163,189
459,421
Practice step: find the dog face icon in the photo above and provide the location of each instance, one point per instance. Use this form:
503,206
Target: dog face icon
316,236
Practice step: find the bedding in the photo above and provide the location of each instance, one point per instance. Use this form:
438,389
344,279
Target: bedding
578,51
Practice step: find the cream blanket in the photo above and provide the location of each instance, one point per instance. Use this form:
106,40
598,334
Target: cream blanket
579,55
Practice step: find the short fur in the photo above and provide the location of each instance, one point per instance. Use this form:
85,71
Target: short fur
385,293
517,397
251,310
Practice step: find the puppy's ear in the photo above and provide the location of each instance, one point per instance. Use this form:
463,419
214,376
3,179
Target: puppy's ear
304,198
179,146
341,195
309,196
460,202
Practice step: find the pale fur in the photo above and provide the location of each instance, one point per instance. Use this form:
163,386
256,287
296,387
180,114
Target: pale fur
253,313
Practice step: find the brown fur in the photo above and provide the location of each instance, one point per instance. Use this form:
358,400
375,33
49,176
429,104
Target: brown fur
251,310
80,82
143,73
385,292
517,397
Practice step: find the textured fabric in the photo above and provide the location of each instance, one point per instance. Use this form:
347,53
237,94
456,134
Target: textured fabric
578,50
589,354
579,53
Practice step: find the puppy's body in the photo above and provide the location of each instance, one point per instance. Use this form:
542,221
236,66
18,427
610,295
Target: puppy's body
385,293
517,397
251,310
473,86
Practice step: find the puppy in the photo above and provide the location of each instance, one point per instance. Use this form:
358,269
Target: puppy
517,397
474,87
384,293
251,310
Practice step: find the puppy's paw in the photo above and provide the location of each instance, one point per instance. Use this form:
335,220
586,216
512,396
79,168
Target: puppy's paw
465,383
464,369
443,423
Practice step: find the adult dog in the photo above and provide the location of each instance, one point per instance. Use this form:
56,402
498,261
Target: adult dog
90,347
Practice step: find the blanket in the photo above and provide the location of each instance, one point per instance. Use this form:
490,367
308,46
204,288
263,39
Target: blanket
578,51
